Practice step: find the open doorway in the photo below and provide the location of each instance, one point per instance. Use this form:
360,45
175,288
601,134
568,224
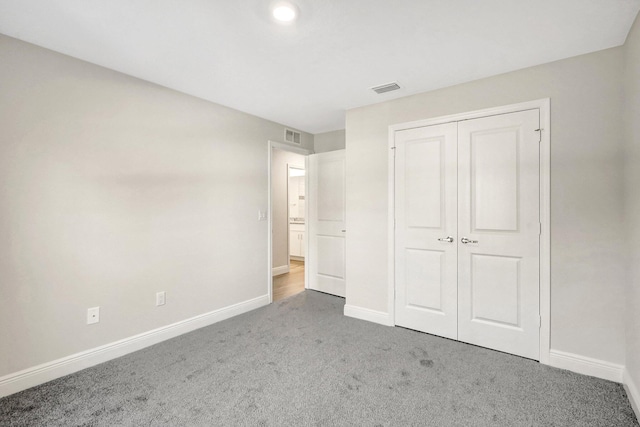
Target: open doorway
288,220
292,282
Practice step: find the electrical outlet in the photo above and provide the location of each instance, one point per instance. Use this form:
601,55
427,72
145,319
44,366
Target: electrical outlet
160,298
93,315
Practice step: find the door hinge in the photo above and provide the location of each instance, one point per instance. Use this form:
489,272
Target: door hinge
540,229
539,130
539,322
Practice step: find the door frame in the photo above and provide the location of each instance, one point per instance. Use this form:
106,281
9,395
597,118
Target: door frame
544,105
298,150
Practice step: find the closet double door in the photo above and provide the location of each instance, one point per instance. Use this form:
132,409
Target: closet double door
467,233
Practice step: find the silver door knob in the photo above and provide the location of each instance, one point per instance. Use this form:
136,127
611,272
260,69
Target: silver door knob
465,240
446,239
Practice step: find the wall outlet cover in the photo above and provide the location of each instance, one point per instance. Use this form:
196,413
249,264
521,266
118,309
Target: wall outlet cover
93,315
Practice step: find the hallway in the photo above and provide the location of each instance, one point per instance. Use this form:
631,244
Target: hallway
288,284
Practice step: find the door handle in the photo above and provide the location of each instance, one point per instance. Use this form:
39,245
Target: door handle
465,240
446,239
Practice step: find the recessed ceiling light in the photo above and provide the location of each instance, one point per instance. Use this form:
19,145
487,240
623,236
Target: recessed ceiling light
284,12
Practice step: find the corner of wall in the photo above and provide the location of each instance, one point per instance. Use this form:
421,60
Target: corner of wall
369,315
633,393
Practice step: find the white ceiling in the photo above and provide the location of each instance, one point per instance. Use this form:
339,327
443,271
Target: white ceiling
308,74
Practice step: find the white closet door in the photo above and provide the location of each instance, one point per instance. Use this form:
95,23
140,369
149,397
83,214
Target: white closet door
326,222
498,208
426,221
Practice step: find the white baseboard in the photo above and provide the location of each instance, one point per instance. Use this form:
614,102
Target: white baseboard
369,315
36,375
586,365
633,393
276,271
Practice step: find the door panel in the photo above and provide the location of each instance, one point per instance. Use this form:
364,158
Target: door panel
326,228
494,166
424,279
495,278
330,188
331,254
423,183
498,211
425,198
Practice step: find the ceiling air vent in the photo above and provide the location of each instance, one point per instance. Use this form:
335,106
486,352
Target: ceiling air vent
292,136
386,88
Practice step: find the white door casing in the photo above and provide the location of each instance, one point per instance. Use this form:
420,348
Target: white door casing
497,204
326,222
426,221
498,207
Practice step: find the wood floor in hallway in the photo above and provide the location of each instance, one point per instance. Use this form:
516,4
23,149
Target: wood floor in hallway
291,283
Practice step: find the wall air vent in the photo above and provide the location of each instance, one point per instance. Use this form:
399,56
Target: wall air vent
386,88
292,136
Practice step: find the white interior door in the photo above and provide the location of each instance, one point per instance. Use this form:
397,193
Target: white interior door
326,222
499,213
467,235
426,222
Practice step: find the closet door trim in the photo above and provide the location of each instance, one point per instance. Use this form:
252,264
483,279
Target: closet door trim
544,106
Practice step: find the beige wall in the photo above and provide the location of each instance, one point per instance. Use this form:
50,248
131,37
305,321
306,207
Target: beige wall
588,286
632,169
112,189
329,141
279,203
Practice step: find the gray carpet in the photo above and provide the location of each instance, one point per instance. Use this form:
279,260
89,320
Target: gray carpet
300,362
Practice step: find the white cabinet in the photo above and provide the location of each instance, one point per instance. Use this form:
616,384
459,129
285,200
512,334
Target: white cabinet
296,240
